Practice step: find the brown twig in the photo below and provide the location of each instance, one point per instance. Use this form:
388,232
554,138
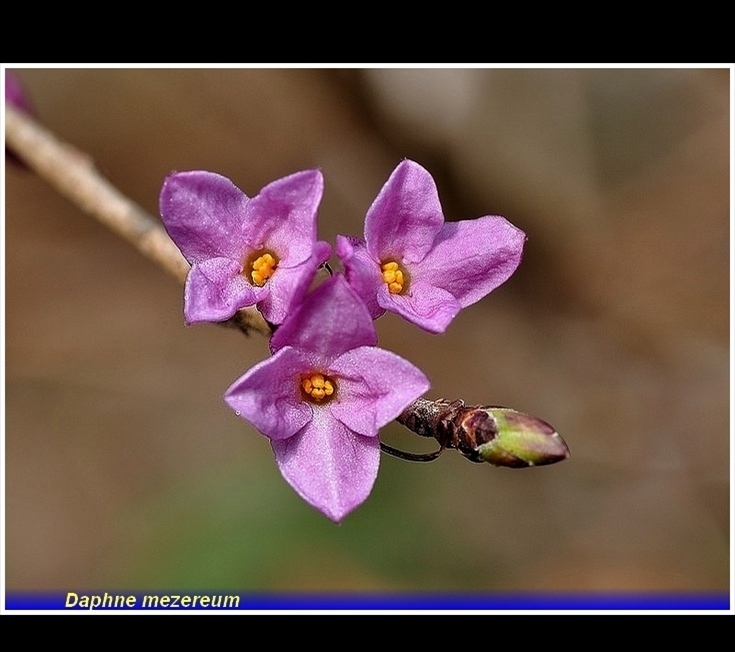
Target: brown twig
75,176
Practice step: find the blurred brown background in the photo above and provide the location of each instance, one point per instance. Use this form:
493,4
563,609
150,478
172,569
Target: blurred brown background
125,469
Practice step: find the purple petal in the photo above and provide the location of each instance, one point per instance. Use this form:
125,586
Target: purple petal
425,305
405,217
215,290
204,214
473,257
269,395
362,272
288,285
329,466
331,320
15,94
374,387
283,216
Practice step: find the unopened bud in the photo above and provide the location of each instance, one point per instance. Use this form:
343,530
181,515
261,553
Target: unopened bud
482,433
506,437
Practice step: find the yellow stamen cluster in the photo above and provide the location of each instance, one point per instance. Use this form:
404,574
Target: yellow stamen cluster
317,387
393,276
263,268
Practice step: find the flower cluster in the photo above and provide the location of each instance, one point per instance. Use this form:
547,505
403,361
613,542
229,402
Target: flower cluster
327,389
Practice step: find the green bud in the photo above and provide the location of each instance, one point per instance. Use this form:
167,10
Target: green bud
506,437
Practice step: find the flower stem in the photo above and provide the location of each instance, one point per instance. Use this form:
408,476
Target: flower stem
411,457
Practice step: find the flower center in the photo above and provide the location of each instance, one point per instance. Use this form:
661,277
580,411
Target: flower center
394,277
261,267
317,388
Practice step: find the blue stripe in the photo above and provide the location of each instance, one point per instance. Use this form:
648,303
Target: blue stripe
374,602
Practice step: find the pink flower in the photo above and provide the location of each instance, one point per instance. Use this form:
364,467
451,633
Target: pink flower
413,263
324,394
243,252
